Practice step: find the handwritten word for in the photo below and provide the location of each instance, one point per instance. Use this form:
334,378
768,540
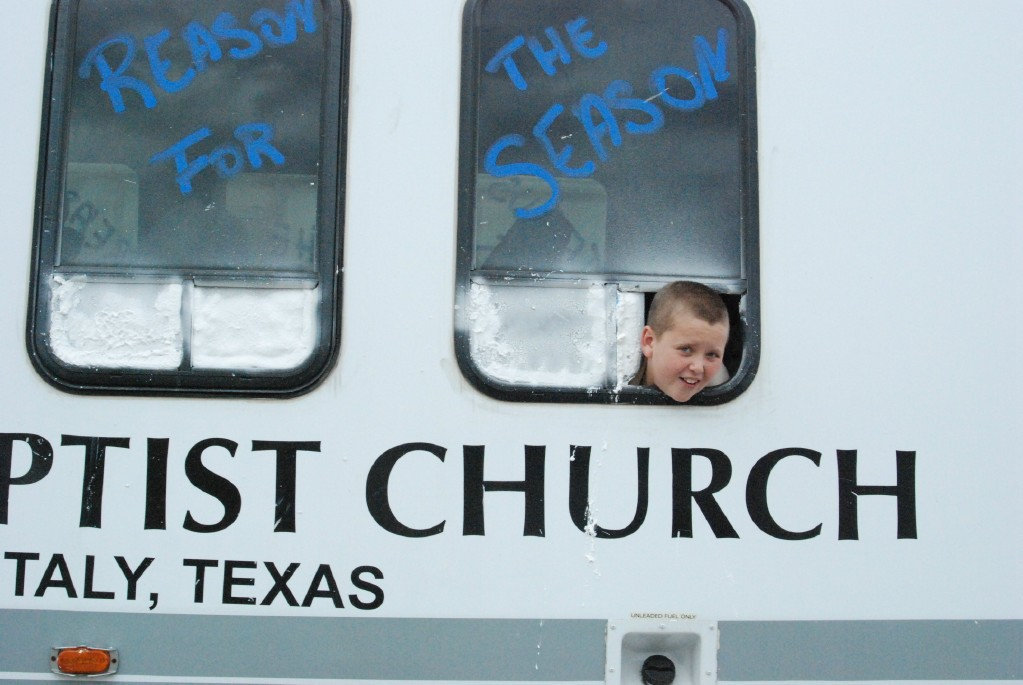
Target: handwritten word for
228,159
203,45
602,115
547,59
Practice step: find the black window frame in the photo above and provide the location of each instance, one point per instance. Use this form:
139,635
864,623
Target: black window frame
60,70
744,308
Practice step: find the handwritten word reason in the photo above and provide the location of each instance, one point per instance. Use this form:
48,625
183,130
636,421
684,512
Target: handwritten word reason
606,115
111,59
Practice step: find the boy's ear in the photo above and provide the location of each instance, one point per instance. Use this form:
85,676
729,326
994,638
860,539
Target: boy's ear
646,341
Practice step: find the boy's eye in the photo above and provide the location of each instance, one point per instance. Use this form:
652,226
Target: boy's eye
685,349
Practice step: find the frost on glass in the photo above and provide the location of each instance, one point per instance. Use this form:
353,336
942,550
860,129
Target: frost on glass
628,327
116,325
564,337
253,328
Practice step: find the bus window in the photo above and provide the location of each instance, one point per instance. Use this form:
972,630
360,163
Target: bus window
189,228
607,149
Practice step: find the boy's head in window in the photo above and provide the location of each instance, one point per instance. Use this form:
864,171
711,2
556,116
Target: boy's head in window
684,340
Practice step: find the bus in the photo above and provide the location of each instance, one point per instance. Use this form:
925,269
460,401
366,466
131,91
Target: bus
322,339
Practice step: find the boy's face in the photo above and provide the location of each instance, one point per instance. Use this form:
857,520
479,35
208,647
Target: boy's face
683,359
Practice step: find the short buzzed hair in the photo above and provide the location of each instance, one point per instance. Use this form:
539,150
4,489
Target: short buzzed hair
699,300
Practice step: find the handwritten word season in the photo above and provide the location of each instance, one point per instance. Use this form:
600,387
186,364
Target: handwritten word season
597,111
205,45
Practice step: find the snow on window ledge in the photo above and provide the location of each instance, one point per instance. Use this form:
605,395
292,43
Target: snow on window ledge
555,336
115,325
253,328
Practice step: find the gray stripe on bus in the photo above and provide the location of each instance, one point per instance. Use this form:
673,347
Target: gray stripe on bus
315,647
870,650
520,650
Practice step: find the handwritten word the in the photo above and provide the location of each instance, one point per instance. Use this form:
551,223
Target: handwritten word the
675,87
579,37
204,46
227,160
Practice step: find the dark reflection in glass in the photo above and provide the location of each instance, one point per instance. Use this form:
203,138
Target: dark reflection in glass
553,236
670,193
232,86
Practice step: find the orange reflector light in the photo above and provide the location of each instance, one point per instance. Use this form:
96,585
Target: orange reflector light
83,661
